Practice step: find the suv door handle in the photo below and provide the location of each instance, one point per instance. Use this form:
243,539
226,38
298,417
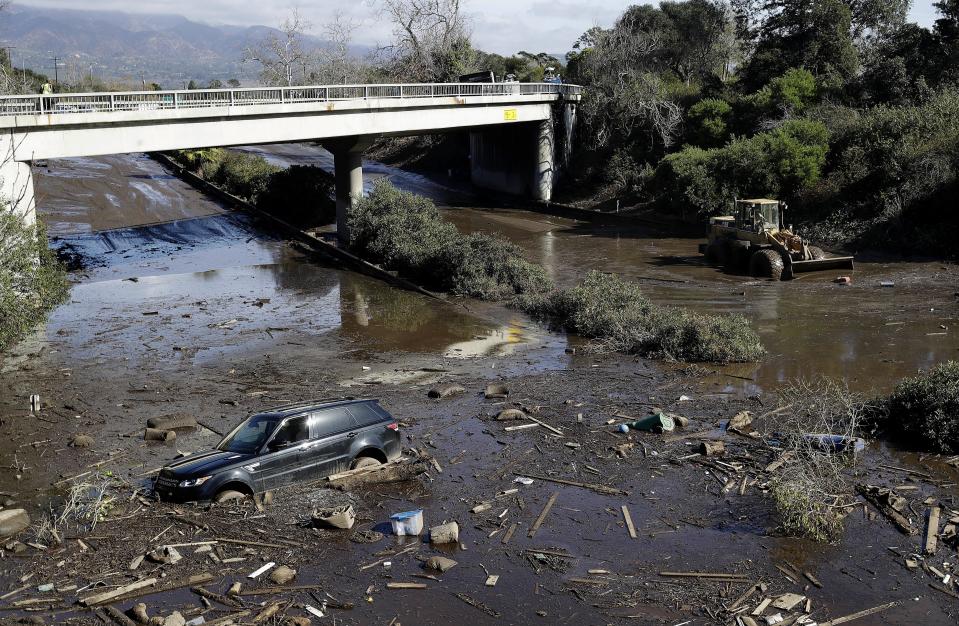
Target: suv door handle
351,435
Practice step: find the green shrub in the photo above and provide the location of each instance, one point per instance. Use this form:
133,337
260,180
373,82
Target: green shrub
619,317
708,122
301,195
777,163
406,233
924,411
32,281
804,513
489,267
243,175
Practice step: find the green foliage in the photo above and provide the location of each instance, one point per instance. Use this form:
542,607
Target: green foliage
617,314
32,281
301,195
811,34
895,170
924,411
406,233
777,163
708,122
803,514
243,175
793,91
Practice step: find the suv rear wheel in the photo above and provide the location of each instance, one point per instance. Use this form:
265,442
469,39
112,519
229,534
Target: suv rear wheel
365,461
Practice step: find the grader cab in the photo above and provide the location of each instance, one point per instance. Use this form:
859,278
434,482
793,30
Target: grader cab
755,239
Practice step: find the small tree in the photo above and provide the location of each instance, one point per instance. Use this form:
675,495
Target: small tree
431,39
283,56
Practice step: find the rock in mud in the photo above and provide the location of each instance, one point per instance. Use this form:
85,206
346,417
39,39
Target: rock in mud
166,555
440,563
174,421
174,619
507,415
297,621
283,575
82,441
156,434
444,391
740,421
496,390
445,533
13,521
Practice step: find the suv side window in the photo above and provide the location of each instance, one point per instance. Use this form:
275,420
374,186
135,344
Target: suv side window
295,429
332,421
365,414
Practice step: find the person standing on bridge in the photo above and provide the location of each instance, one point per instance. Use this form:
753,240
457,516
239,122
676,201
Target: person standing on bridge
46,89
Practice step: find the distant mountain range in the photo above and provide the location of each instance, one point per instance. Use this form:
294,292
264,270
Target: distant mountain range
168,49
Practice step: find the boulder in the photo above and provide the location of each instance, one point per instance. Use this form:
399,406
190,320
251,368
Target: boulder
174,619
443,391
156,434
510,414
283,575
13,521
445,533
496,390
81,441
174,421
440,563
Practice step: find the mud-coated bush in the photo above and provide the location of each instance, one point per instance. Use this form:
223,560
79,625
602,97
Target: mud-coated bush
924,411
32,281
406,233
619,317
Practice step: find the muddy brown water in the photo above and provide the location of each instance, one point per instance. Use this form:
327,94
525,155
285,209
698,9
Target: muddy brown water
867,335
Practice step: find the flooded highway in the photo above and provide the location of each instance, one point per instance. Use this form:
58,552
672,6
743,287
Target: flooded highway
186,307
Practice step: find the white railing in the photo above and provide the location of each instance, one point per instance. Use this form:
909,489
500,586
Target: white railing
53,104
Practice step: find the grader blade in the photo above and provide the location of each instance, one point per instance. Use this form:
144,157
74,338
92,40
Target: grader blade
834,263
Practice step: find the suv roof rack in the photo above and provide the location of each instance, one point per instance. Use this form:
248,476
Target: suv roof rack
306,403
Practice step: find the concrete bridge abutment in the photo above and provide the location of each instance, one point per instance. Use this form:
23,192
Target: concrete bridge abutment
524,159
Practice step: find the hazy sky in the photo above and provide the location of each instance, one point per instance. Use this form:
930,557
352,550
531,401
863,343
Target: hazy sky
500,25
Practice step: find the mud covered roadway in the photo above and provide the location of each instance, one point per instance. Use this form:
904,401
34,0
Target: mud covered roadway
188,308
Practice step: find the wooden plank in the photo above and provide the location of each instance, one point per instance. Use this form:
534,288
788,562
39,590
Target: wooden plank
509,533
406,586
542,516
107,596
932,531
510,429
855,616
702,575
629,522
269,591
545,425
612,491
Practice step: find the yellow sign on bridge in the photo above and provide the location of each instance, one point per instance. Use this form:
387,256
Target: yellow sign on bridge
509,115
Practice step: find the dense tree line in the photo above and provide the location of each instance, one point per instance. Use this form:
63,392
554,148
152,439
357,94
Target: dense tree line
840,107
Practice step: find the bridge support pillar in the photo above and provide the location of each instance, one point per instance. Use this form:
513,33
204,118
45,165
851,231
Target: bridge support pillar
348,177
16,184
543,175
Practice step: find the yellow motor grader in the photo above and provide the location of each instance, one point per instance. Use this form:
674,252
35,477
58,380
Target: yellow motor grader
755,239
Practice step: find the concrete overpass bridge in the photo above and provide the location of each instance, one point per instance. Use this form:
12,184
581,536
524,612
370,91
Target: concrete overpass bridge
519,132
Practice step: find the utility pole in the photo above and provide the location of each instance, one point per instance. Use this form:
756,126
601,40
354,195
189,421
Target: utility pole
56,71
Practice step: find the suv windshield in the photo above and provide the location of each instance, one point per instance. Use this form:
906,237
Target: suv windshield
249,436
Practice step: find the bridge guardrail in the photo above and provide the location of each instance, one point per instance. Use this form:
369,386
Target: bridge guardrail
53,104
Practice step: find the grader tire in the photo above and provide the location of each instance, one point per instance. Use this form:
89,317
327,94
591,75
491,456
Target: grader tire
766,264
816,253
739,256
718,251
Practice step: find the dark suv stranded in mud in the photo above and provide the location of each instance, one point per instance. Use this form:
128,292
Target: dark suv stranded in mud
289,444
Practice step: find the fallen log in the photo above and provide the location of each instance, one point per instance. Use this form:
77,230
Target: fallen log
109,596
857,615
879,498
387,473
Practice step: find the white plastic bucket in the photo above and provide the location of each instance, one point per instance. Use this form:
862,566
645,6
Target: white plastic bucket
407,523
